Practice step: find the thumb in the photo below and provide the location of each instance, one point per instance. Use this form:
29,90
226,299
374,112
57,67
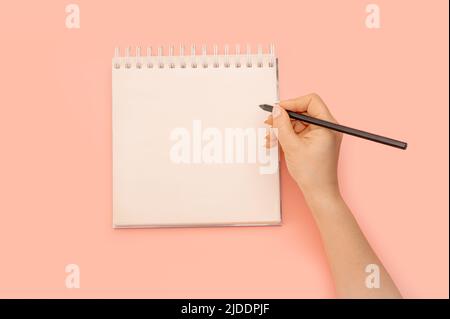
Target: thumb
282,124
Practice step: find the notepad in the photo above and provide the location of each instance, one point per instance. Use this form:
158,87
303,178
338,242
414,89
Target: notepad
189,138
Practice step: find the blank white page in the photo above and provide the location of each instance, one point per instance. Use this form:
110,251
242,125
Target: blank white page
163,107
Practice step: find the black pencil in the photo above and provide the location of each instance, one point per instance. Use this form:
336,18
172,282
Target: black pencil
341,128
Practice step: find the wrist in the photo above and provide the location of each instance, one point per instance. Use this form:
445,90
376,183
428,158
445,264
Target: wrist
318,198
329,189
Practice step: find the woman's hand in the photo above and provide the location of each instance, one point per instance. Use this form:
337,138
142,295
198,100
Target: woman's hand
311,152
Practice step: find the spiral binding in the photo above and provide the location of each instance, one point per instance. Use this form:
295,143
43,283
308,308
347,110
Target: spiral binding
185,59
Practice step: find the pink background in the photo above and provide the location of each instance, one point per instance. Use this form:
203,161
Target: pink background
55,148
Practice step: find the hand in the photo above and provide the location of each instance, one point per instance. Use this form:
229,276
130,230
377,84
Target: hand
311,152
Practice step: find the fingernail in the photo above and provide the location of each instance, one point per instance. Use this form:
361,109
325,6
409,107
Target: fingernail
276,111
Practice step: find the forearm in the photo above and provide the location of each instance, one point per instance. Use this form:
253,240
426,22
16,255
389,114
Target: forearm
347,249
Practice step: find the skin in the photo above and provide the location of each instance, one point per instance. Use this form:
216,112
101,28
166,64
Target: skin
312,155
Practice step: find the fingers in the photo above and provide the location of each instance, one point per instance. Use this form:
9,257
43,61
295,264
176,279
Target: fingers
296,125
284,130
312,104
271,139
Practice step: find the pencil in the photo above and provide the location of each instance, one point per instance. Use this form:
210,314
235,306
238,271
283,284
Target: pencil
341,128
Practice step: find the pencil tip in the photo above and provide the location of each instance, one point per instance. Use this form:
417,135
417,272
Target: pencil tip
266,107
